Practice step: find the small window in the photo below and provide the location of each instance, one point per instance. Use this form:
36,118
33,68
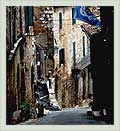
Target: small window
83,45
28,10
61,57
74,52
30,15
73,13
60,20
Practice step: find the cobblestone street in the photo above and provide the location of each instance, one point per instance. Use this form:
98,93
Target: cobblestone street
73,116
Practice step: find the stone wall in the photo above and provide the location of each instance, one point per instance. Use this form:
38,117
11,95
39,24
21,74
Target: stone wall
64,39
19,88
44,37
20,60
64,93
12,87
70,92
28,65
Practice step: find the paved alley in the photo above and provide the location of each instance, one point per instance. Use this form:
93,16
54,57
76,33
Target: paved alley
55,57
73,116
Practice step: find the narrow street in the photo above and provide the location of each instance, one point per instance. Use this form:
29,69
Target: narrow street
55,57
73,116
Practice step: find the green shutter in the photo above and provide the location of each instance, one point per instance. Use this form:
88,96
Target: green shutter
73,13
83,45
60,20
61,56
74,52
26,11
30,15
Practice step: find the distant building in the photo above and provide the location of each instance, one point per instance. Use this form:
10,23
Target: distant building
44,39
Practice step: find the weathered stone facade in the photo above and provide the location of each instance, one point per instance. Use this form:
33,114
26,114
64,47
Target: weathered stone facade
62,50
27,66
19,59
74,82
64,39
12,92
44,37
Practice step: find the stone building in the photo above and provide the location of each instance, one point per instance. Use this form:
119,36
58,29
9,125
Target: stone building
72,57
20,58
44,38
44,41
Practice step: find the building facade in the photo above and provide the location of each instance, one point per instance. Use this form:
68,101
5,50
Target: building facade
72,57
44,37
47,43
68,35
20,58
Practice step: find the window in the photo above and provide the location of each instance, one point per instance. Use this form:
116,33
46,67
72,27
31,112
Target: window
26,18
73,13
83,45
86,45
74,58
60,20
61,56
50,87
28,10
30,15
32,80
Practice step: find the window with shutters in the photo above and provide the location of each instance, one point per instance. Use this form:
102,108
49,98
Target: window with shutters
60,20
74,52
28,10
73,13
83,45
30,15
61,56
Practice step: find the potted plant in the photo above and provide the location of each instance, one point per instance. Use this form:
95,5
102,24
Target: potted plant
25,107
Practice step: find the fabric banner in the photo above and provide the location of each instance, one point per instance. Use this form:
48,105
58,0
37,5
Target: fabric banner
83,13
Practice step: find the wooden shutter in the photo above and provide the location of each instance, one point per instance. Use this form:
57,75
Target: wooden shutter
26,11
73,13
74,52
30,16
60,20
61,57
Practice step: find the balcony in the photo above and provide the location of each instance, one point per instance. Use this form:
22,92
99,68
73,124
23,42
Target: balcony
84,62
